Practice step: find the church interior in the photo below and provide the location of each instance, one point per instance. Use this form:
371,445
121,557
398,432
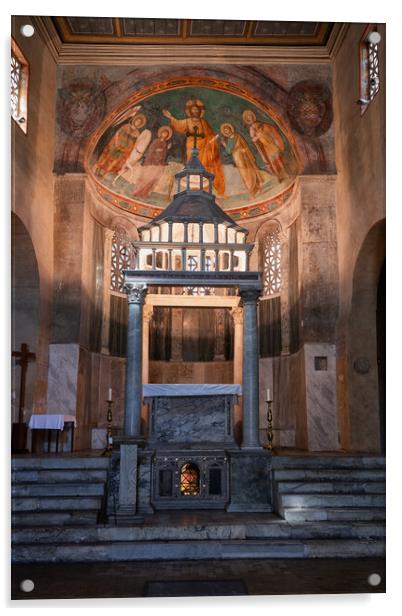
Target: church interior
198,298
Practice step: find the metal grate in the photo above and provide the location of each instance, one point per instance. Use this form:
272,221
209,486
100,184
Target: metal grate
189,480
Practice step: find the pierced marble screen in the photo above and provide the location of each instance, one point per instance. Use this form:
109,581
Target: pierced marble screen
121,256
272,253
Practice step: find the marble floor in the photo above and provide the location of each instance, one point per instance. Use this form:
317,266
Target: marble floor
198,578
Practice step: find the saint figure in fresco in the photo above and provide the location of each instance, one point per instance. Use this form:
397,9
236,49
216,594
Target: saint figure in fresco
238,148
118,149
153,163
143,139
268,142
206,140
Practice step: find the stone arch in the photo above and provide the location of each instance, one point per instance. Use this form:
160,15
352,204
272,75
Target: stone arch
25,284
362,348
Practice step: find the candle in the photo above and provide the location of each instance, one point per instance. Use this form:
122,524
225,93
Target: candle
269,399
110,394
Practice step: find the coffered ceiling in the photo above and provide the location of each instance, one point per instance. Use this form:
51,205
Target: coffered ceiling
128,30
126,40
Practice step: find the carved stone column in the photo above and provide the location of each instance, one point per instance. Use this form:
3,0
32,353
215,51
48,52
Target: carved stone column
107,261
250,370
147,313
237,315
133,389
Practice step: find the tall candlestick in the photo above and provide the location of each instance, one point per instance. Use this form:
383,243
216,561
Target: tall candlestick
110,394
268,398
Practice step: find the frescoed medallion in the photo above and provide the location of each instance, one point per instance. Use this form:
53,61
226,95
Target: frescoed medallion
135,154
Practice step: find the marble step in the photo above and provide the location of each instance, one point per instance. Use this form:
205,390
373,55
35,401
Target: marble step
328,462
61,475
58,503
34,519
58,462
326,474
57,489
281,530
351,514
197,550
335,487
301,500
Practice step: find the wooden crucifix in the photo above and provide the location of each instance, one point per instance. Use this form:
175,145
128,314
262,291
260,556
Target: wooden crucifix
24,356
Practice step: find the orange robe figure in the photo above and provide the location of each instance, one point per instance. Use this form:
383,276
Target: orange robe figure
207,144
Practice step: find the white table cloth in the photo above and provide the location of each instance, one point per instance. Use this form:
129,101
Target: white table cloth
193,389
50,422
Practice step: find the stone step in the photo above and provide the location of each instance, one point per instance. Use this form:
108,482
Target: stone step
196,550
59,462
330,514
58,503
67,475
57,489
326,474
302,500
328,462
335,487
282,530
52,518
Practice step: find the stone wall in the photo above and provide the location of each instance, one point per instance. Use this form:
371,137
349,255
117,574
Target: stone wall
360,193
32,181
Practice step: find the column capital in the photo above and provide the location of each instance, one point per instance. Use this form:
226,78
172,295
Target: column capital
249,296
237,315
135,293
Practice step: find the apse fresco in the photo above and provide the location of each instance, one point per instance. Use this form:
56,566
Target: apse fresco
136,152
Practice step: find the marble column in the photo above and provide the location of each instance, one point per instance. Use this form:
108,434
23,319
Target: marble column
133,391
237,316
250,369
146,319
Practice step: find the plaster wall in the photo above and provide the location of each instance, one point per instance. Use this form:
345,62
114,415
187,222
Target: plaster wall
32,184
360,195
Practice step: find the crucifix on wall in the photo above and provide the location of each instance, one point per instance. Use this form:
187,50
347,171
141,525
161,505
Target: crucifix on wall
24,356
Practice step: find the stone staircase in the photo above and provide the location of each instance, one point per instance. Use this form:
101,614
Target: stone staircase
330,507
57,491
330,488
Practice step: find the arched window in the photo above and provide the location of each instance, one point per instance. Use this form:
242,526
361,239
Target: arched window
19,86
369,66
271,261
189,480
121,259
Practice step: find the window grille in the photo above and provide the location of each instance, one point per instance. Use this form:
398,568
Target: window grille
19,86
271,254
369,68
121,259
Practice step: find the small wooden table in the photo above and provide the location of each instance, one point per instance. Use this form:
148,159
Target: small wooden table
53,422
